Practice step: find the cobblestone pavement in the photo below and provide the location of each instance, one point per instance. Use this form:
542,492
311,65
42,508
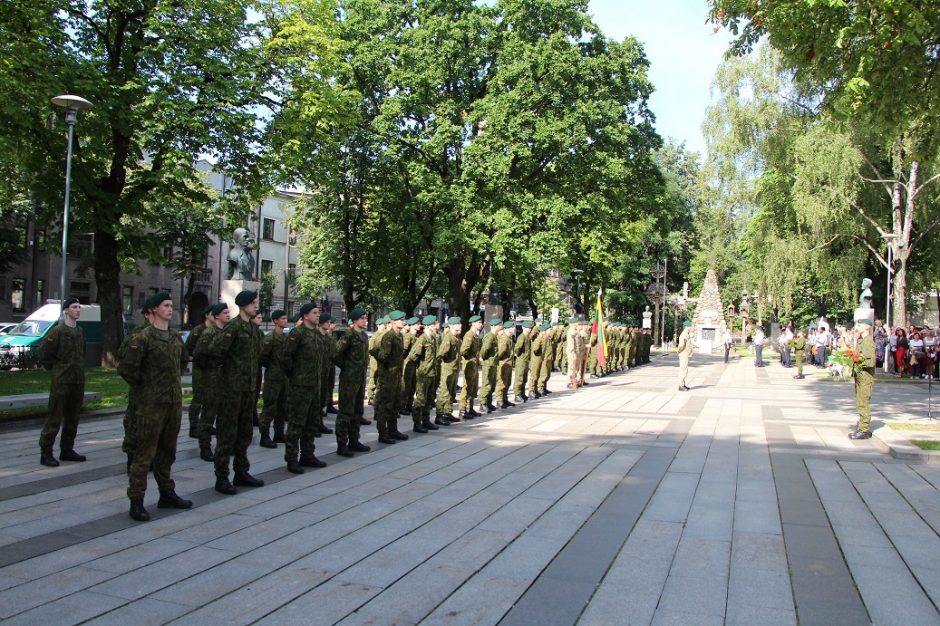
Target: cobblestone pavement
740,502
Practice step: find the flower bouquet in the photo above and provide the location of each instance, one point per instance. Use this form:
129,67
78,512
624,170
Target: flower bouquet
847,359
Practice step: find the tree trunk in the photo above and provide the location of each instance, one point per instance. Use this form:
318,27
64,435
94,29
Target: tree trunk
458,298
108,280
899,293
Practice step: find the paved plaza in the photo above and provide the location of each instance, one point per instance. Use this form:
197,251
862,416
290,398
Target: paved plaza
627,502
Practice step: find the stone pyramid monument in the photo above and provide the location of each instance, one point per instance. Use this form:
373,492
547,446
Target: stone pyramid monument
709,317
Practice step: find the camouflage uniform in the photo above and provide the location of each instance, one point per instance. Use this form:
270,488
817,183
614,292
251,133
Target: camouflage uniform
237,347
470,353
423,355
63,352
302,360
537,352
276,386
447,353
561,354
523,353
211,386
352,356
865,382
388,353
127,446
548,360
504,366
195,404
373,367
409,379
488,357
328,376
151,366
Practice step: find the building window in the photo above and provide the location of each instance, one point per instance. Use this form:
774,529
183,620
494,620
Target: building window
40,293
291,273
16,294
140,299
127,299
266,266
267,229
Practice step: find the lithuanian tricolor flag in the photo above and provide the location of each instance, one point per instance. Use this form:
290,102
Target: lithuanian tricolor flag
599,331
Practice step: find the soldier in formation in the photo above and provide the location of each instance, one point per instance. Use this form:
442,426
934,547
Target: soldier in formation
448,353
301,361
352,358
212,385
276,386
470,361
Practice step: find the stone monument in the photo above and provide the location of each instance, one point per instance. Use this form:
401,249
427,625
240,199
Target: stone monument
241,267
864,310
647,318
709,320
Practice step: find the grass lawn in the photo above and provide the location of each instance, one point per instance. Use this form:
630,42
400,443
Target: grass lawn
926,445
906,426
105,381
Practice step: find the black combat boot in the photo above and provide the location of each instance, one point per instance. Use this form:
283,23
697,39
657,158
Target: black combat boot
169,500
356,446
405,411
294,467
364,422
206,455
386,438
244,479
426,423
48,459
342,449
330,408
325,430
192,432
418,428
441,421
455,418
266,441
397,434
518,399
278,436
311,461
71,455
138,513
536,395
223,485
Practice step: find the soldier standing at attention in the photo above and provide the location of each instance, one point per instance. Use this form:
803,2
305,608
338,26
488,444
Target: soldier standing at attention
408,337
523,353
388,357
352,358
130,422
257,321
301,361
195,404
548,360
152,365
423,355
684,347
328,347
275,390
213,387
470,359
488,349
504,349
537,352
237,347
561,354
447,353
799,353
864,378
380,325
63,352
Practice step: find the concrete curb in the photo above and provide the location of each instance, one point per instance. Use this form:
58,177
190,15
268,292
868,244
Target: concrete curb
899,446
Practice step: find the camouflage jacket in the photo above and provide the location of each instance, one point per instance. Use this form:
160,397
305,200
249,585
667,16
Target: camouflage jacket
423,353
237,348
504,349
63,352
302,357
152,365
193,340
488,348
388,353
523,349
448,351
352,356
328,342
272,346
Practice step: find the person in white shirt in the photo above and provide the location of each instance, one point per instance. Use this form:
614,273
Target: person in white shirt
728,341
759,339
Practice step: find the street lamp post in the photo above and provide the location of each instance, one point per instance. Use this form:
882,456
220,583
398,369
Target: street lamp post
577,297
72,105
889,238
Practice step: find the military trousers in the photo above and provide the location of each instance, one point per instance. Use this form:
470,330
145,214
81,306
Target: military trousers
544,374
425,394
235,430
683,369
351,399
446,390
195,404
304,410
326,390
489,375
409,377
274,396
521,376
471,384
387,396
156,429
65,403
535,375
799,365
503,381
864,383
130,423
573,369
373,378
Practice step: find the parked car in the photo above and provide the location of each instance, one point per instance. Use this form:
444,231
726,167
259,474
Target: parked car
19,344
6,327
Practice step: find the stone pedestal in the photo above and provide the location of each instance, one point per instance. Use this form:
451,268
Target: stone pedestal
231,288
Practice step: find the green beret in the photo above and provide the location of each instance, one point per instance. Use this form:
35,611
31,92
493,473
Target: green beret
394,316
545,326
527,324
868,322
69,302
207,310
686,324
427,320
496,322
245,297
381,320
293,318
509,324
326,317
306,308
454,320
276,313
411,321
474,318
154,301
218,307
357,313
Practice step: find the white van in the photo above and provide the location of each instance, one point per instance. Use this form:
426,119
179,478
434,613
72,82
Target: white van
22,340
